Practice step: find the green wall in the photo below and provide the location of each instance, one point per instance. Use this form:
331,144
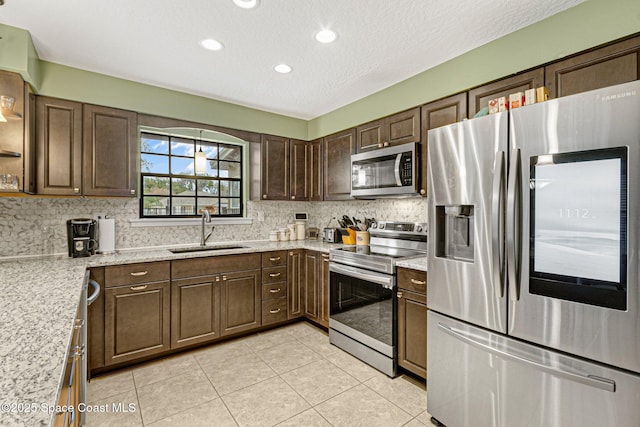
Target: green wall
586,25
589,24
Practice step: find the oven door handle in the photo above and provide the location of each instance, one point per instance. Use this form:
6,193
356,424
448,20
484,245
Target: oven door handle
382,279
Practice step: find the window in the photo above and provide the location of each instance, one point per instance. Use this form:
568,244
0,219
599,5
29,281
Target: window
171,188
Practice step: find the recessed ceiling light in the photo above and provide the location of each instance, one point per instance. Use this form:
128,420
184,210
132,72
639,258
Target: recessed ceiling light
246,4
283,68
326,36
211,44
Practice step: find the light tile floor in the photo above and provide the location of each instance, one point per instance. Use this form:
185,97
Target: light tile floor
290,376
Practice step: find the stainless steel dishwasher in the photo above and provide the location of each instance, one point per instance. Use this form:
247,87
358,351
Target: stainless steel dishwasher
73,390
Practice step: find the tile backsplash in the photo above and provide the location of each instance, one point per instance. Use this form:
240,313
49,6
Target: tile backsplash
37,226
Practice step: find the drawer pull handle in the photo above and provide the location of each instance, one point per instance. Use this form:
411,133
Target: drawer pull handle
138,288
275,274
224,278
418,282
274,258
325,256
272,311
399,295
139,273
275,291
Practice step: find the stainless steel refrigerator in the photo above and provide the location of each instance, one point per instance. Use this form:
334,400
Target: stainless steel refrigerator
534,245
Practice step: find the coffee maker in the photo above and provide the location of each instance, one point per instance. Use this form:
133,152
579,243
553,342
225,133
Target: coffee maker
81,237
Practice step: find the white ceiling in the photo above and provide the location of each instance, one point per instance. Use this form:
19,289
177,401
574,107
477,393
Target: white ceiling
380,43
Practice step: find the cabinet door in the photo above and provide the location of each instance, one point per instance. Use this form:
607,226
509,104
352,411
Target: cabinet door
412,332
370,136
479,97
241,300
136,321
311,267
324,290
338,149
315,170
610,65
275,168
294,284
59,146
299,170
195,310
435,114
110,152
402,128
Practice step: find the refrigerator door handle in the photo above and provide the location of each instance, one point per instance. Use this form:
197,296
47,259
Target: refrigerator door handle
514,224
590,380
497,216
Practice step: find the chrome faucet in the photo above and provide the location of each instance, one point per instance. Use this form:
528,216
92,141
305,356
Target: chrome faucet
206,217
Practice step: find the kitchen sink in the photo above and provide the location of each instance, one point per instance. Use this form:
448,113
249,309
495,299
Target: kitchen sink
204,248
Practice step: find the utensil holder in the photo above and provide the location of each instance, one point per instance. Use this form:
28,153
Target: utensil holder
362,238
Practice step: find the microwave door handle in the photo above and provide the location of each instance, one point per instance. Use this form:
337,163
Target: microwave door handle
514,219
397,170
497,218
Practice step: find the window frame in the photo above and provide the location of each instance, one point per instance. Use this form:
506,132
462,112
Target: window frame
206,138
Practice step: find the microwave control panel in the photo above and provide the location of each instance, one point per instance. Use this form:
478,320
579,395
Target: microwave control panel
406,170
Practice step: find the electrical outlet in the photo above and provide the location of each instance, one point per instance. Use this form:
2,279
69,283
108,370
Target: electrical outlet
98,215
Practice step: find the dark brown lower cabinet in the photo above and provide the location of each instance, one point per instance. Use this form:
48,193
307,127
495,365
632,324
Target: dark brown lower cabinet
136,321
412,321
324,291
311,266
195,310
294,284
240,301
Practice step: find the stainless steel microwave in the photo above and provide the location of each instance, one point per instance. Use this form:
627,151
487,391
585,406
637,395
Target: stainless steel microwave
387,172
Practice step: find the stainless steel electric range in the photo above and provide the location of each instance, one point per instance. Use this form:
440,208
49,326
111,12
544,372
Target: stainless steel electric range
363,307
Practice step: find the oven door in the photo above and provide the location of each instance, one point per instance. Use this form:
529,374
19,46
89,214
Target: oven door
362,307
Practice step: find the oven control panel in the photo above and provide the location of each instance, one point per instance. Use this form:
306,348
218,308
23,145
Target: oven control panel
400,227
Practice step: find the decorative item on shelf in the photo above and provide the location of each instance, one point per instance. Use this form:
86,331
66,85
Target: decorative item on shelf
201,159
6,109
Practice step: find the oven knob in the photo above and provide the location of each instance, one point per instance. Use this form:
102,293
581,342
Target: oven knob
381,226
419,228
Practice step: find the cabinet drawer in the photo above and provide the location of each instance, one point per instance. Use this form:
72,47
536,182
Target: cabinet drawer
193,267
274,290
118,275
274,274
412,280
274,310
273,259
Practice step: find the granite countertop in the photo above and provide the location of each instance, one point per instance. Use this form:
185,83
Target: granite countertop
38,302
418,263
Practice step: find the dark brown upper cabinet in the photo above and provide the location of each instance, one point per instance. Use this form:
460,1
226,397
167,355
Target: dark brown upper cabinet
275,167
315,170
610,65
435,114
59,146
299,170
338,149
110,151
479,97
400,128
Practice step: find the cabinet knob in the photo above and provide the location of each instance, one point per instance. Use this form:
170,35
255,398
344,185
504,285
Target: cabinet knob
224,277
217,278
386,144
380,145
76,190
264,196
399,295
293,197
133,192
423,191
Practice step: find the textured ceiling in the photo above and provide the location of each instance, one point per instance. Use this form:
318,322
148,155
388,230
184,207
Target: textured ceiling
380,43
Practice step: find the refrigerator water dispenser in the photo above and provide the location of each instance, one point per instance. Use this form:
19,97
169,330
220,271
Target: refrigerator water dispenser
454,232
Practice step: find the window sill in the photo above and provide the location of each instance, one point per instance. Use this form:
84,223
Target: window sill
172,222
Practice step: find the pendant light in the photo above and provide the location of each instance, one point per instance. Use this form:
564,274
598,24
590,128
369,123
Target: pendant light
201,159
